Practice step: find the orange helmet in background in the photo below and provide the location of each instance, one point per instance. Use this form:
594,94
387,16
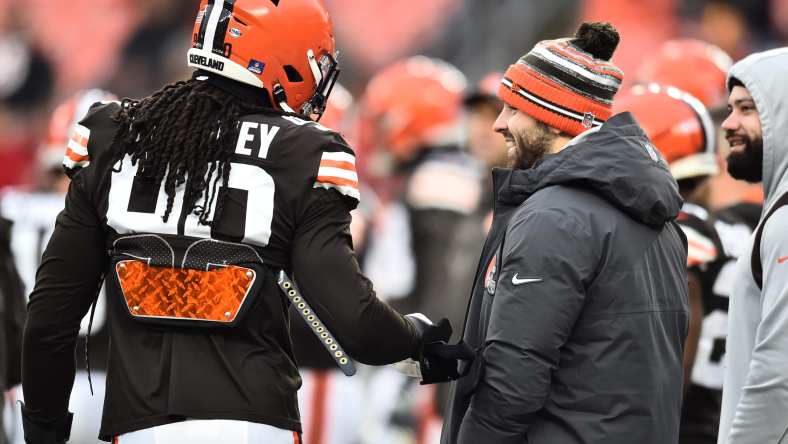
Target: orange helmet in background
62,125
694,66
412,104
284,46
679,126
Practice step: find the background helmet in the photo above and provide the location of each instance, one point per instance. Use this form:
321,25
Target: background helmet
413,104
694,66
679,126
284,46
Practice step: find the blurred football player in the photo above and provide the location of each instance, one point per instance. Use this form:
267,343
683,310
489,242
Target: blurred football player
33,213
190,202
671,62
709,65
482,107
411,117
411,124
681,128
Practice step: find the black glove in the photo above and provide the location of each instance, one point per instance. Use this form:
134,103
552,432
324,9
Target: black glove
51,432
438,361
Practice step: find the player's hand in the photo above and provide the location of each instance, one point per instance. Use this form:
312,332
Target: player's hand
437,360
427,330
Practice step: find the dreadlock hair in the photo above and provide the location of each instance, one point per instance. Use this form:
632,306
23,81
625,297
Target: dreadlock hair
183,134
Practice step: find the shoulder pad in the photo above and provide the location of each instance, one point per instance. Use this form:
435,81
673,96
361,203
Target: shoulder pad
78,149
337,171
444,186
695,210
701,248
297,121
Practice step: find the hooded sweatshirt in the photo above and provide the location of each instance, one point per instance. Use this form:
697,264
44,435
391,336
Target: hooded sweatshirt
755,390
578,312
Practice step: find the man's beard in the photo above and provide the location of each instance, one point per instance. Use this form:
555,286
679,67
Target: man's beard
747,164
531,146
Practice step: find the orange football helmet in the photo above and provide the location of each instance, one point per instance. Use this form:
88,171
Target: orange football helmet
284,46
679,126
694,66
63,122
412,104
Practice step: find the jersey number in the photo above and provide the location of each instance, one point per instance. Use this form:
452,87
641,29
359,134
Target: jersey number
137,206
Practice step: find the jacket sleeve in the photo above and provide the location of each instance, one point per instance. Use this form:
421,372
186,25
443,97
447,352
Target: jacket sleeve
67,281
760,414
328,274
546,263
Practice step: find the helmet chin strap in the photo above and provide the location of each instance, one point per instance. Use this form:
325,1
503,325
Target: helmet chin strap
281,98
286,107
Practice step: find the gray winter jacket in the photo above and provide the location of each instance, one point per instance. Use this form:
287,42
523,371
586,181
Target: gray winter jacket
755,388
579,308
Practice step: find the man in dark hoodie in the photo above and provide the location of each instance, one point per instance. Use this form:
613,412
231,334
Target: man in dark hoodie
579,309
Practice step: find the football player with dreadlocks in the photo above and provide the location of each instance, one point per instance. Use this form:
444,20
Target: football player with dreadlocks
196,204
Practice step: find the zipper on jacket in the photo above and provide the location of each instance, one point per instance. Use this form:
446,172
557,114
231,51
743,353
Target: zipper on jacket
480,265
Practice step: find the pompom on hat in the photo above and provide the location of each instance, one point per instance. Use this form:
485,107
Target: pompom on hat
568,84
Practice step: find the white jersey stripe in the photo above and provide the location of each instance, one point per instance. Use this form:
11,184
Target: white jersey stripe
82,131
701,249
346,190
70,164
340,157
77,148
337,172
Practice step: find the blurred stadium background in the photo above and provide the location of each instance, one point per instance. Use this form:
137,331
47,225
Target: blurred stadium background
51,48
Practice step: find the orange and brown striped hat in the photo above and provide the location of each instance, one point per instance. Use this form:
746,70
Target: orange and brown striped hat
568,84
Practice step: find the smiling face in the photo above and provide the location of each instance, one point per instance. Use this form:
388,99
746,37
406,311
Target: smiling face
745,136
527,139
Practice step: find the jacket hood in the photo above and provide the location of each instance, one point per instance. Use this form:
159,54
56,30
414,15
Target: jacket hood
617,163
764,74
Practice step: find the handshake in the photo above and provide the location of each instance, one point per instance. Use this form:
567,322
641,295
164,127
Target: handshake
436,360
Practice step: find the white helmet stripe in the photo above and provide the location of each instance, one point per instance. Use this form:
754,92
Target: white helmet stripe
213,22
316,73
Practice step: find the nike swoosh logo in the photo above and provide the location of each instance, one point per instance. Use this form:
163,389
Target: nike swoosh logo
782,259
516,281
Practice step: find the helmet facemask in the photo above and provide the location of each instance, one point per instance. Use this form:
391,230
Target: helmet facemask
326,72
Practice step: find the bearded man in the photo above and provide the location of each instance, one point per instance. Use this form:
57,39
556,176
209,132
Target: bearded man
579,310
755,386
